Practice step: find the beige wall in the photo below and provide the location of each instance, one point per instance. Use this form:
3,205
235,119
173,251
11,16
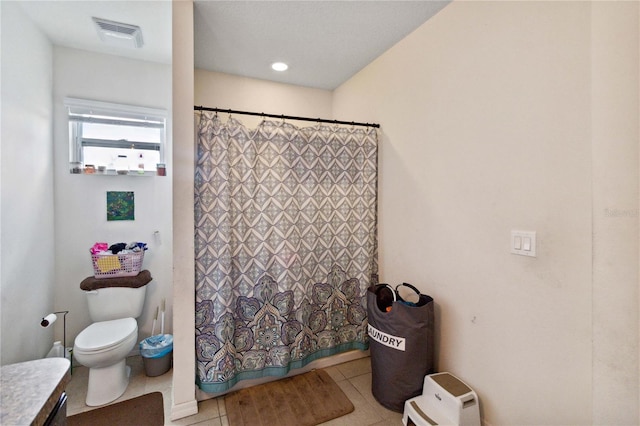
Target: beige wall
614,125
246,94
499,116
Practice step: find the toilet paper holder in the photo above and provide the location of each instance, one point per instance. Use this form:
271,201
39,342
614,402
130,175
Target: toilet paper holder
50,319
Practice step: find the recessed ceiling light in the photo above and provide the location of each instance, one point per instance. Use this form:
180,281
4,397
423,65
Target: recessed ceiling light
279,66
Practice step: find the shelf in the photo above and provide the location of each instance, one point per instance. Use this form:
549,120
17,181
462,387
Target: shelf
113,173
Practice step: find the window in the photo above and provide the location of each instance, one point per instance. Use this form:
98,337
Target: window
114,139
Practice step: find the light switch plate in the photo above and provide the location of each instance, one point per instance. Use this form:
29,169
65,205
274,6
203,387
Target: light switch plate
523,243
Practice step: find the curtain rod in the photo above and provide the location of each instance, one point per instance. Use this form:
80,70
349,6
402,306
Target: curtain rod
285,117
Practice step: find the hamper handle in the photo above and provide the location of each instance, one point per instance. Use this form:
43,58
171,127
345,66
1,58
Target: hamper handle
393,292
407,285
384,305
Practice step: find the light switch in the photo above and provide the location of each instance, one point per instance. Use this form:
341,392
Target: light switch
523,243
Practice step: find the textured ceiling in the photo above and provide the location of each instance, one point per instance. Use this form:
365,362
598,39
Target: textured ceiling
323,42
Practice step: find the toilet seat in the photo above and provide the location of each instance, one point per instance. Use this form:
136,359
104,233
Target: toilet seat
105,335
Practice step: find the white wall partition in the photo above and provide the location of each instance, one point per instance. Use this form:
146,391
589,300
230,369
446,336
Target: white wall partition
184,358
27,252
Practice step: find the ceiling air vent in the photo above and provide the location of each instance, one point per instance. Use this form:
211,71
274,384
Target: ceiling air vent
119,34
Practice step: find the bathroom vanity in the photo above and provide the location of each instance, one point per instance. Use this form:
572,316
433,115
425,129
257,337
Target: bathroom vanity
33,392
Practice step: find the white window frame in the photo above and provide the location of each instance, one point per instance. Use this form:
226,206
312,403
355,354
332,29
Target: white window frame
84,110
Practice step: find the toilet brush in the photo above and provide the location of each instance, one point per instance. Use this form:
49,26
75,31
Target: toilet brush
153,327
162,317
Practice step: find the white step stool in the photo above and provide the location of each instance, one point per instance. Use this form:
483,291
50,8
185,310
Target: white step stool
445,400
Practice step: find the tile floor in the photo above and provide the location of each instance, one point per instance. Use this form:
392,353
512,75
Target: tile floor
353,377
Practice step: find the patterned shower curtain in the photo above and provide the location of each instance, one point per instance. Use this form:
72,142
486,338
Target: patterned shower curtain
285,246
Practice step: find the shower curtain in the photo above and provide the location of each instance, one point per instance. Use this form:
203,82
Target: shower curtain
285,245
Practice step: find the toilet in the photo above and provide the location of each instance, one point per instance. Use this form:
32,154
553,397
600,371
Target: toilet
104,345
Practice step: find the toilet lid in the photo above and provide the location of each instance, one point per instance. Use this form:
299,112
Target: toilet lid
103,334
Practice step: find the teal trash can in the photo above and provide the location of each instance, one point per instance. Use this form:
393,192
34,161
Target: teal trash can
157,354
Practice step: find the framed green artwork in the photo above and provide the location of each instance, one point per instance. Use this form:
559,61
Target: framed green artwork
120,205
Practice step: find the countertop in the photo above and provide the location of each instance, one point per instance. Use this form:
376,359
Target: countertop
30,390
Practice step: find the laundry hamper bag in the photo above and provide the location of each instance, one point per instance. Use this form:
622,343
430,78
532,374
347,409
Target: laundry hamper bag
400,344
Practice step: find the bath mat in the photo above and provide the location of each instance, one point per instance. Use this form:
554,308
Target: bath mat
304,400
145,410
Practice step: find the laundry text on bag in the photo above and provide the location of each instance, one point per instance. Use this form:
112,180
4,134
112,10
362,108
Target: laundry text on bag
386,339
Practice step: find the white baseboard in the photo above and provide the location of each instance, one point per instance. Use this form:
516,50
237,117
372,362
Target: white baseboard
185,409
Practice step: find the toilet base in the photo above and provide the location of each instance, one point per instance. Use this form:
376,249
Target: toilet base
107,384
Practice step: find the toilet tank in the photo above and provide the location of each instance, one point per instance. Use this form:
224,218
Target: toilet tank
115,302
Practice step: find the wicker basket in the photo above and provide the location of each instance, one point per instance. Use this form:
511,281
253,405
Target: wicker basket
117,265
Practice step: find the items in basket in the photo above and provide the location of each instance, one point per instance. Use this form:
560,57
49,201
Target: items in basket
117,260
105,248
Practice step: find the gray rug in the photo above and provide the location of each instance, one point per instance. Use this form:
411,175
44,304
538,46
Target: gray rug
304,400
